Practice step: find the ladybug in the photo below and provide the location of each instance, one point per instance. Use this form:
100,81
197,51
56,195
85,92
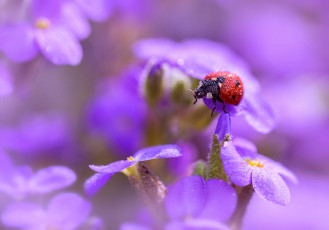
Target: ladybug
222,86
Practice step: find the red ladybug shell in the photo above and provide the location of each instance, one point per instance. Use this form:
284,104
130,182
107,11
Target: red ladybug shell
231,90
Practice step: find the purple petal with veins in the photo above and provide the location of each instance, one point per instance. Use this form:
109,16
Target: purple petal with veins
238,170
270,186
96,182
113,167
160,151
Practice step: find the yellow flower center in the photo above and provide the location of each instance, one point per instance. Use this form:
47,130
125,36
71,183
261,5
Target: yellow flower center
255,162
42,23
130,159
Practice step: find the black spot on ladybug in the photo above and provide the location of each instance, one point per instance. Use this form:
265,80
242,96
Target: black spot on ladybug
237,83
233,97
221,79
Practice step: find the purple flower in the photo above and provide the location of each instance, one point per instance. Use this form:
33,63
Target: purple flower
223,126
307,209
19,181
198,204
243,165
6,86
64,211
182,166
105,172
134,226
55,30
118,114
97,10
37,134
197,58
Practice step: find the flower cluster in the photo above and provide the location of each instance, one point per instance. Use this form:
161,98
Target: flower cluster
54,29
77,89
64,211
217,195
198,58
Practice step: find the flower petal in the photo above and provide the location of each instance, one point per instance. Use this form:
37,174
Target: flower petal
96,182
197,58
153,48
279,168
51,10
23,215
52,178
17,41
205,224
196,224
59,45
220,202
15,182
160,151
259,114
270,186
68,211
97,10
235,167
242,143
186,198
113,167
223,126
75,20
133,226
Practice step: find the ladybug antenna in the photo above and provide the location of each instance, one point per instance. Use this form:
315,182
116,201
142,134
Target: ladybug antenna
191,91
196,99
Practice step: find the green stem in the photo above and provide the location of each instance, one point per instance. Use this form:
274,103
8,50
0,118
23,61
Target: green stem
244,196
150,189
215,165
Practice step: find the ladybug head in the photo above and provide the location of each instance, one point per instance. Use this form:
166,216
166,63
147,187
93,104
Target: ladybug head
199,93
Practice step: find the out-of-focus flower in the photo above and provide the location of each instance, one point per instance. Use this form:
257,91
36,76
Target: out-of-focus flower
6,86
198,204
198,58
19,181
305,211
105,172
55,30
295,47
64,211
38,134
193,203
181,166
118,114
96,10
93,223
243,165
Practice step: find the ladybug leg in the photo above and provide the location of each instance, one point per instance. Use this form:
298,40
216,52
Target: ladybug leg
224,107
214,100
221,101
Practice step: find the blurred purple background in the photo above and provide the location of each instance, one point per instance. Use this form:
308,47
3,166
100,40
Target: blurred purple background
93,113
